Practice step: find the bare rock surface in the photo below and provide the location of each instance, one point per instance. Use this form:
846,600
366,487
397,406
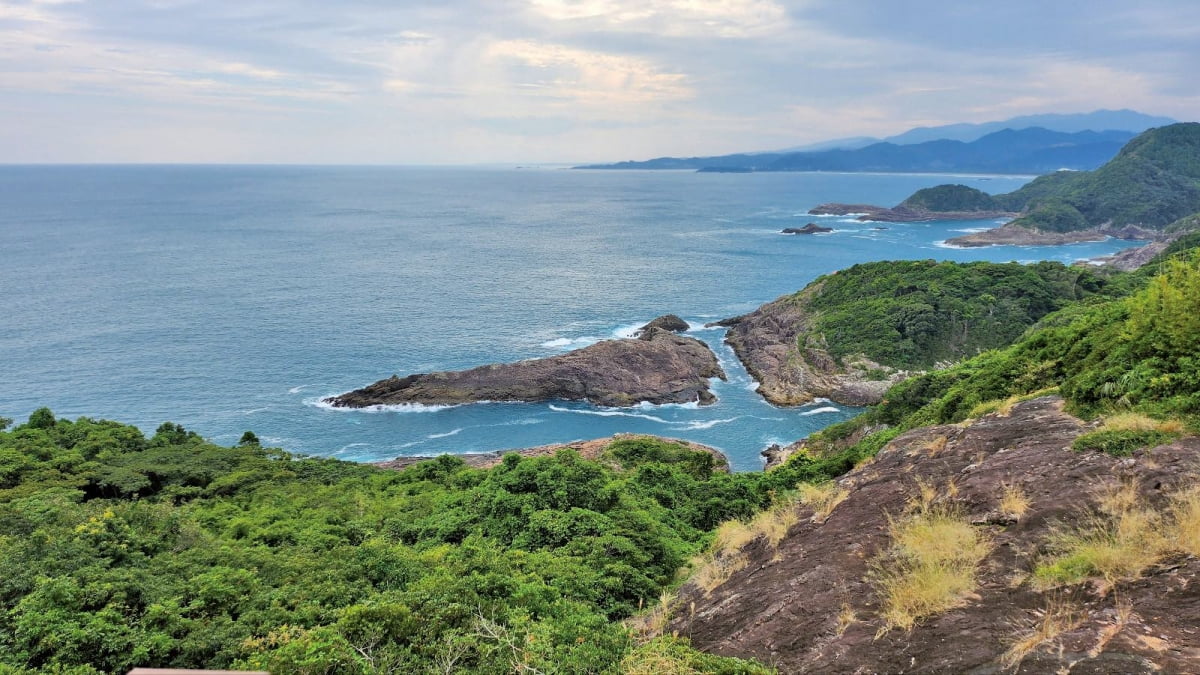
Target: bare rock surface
660,367
1013,234
591,450
811,606
766,342
667,322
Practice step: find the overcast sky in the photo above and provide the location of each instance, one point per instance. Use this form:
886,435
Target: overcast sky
423,81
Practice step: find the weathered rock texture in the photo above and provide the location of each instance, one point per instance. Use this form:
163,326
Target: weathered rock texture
811,228
903,214
783,607
592,450
658,368
766,342
1016,235
667,322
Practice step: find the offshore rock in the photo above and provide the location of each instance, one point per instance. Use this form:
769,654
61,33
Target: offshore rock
667,322
660,368
811,228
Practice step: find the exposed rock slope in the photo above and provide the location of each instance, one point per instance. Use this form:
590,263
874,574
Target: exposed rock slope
657,368
812,603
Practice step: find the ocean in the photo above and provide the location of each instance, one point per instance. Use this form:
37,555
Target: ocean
234,298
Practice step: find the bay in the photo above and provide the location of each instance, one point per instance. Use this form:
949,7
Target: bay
233,298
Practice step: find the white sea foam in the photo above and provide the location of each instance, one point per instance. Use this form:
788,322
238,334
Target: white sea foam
818,411
943,244
972,230
610,413
346,447
752,385
522,422
704,424
560,342
408,445
455,432
256,410
698,326
627,331
690,405
297,390
324,404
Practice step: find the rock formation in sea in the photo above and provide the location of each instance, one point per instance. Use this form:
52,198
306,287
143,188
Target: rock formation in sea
667,322
659,367
811,228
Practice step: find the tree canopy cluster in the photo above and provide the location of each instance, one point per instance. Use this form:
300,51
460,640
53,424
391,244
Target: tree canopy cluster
914,314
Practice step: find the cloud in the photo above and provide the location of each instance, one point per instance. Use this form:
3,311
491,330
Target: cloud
567,80
558,71
676,18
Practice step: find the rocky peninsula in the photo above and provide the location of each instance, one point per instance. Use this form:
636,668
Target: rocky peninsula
656,367
904,213
767,341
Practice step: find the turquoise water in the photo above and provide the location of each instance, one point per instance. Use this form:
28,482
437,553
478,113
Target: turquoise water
234,298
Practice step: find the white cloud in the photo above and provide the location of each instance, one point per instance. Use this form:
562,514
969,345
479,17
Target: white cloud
587,76
676,18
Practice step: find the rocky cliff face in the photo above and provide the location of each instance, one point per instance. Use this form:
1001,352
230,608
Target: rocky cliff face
812,603
765,341
659,367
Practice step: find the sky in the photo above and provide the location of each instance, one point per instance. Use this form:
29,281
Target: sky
544,81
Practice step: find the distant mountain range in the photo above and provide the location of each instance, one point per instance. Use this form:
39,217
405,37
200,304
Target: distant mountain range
1099,120
1031,144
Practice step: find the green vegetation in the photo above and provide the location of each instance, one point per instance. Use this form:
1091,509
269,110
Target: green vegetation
118,550
1121,443
1153,182
951,198
913,314
1138,353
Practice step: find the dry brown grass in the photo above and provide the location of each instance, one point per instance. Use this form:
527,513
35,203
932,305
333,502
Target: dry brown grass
845,618
1132,421
716,570
732,535
931,567
1185,521
1120,543
1059,616
822,498
1014,502
924,498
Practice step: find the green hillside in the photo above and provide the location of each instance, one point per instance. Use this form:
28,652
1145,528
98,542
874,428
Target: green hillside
913,314
1137,353
118,550
1152,182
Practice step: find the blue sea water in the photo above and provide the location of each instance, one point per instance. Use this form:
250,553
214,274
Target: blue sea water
235,298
